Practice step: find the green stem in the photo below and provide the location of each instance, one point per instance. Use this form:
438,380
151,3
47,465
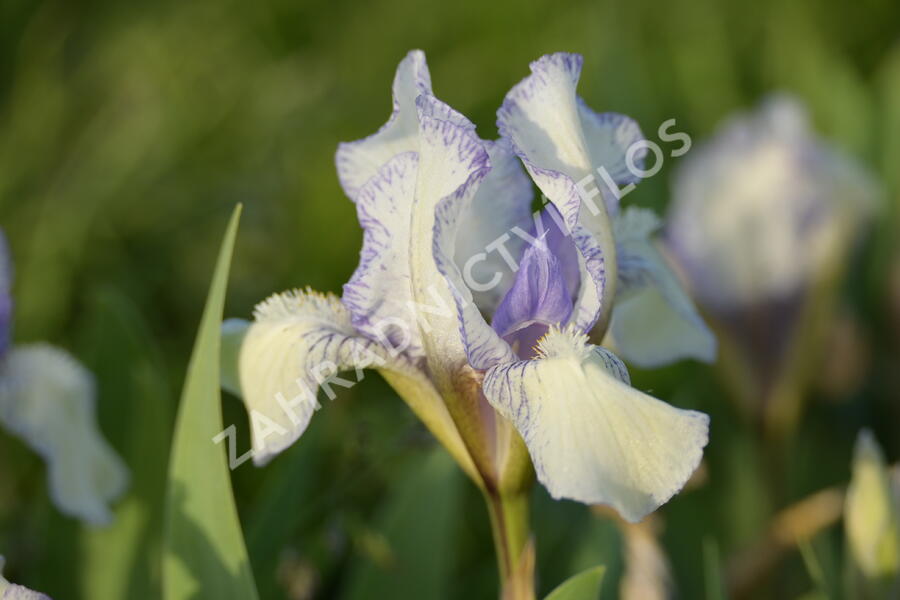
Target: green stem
509,525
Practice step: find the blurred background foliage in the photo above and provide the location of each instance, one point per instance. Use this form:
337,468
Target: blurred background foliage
128,131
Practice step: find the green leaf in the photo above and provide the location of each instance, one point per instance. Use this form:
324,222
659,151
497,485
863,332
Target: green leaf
123,559
204,554
583,586
407,553
816,572
713,576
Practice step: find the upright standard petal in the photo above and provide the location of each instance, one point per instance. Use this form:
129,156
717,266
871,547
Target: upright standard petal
298,342
5,295
574,155
359,161
487,239
47,399
483,346
538,299
654,321
379,294
591,436
453,161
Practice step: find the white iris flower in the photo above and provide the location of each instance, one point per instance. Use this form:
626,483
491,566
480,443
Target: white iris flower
484,333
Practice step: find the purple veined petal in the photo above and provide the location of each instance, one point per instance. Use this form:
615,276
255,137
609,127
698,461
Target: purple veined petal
549,225
553,130
486,246
452,161
596,252
609,136
6,302
564,146
538,298
592,437
379,293
297,341
359,161
484,348
397,295
654,322
428,106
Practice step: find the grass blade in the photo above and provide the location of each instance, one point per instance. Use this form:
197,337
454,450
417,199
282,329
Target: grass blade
204,554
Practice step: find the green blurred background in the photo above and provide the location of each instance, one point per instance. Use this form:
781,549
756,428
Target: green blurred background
128,131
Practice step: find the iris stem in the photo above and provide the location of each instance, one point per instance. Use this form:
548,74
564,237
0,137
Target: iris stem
510,528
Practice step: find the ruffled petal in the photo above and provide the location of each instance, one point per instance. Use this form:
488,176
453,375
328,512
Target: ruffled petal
483,346
47,399
592,437
553,130
300,341
654,322
397,294
596,253
609,136
567,149
379,294
359,161
453,161
540,117
549,224
486,229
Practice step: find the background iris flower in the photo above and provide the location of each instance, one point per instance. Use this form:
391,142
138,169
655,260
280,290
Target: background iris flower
763,220
47,399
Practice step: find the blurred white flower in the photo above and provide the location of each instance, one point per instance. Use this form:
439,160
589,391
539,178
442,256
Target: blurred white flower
763,208
48,400
871,515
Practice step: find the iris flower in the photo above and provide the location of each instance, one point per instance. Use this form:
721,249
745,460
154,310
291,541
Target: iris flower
762,210
762,221
47,399
478,312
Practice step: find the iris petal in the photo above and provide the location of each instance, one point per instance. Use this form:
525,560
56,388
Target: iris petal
592,437
654,322
561,142
359,161
379,294
300,341
538,298
486,227
483,347
453,162
47,399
